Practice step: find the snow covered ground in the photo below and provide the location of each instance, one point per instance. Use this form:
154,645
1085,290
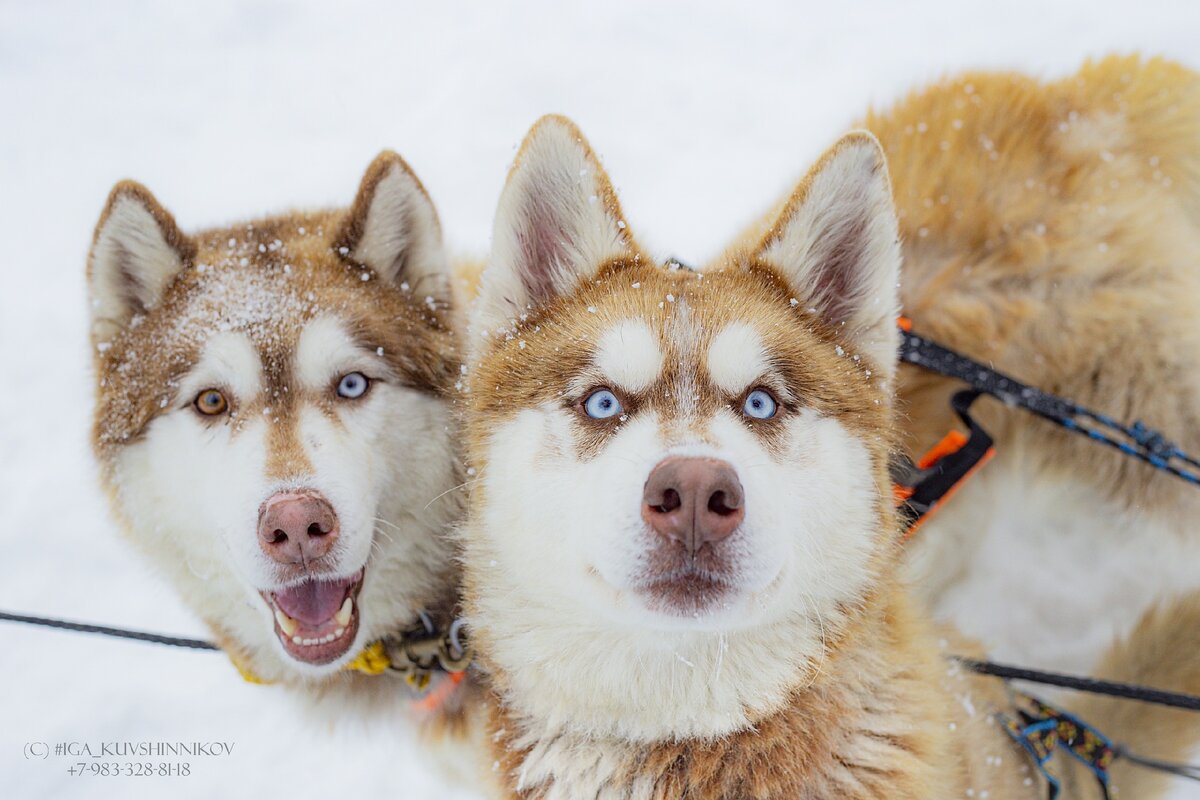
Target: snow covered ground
702,115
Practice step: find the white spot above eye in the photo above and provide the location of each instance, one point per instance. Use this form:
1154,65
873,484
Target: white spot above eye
629,355
737,358
229,359
324,351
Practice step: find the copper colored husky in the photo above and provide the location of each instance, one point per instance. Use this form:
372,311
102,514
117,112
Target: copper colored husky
682,562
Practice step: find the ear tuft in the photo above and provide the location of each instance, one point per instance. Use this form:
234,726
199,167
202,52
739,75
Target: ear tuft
136,251
393,228
837,243
558,222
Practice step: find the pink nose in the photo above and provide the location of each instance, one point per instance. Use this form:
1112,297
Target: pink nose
296,527
693,501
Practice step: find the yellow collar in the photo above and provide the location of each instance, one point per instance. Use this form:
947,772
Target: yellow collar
373,660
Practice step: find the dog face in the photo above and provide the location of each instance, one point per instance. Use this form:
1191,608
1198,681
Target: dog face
271,415
678,470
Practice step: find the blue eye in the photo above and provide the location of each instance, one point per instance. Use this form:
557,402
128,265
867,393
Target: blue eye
602,404
353,385
760,405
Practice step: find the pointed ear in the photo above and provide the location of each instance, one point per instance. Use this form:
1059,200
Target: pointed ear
558,222
136,251
837,243
393,228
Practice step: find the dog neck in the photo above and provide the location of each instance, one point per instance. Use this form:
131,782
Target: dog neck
875,720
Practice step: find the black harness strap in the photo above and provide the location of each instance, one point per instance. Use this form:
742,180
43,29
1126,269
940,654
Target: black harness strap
1137,440
921,487
930,355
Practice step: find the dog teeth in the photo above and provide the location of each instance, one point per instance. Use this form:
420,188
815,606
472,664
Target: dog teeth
326,639
286,623
343,614
290,627
322,640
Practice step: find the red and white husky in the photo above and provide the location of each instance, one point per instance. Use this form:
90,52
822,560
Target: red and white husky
273,420
681,554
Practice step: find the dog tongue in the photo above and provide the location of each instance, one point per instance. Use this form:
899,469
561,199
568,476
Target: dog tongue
313,602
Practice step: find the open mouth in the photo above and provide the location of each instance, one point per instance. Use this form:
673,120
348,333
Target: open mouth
686,591
317,620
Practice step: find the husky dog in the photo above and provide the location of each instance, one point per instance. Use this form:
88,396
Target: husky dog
273,421
681,555
1053,230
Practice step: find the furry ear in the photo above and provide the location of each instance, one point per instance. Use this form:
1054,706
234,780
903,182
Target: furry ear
557,223
136,251
393,228
837,243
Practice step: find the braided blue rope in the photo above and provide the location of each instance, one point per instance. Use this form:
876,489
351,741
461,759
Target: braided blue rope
1148,456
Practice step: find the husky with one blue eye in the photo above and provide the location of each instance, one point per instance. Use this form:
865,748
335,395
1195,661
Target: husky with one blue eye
273,423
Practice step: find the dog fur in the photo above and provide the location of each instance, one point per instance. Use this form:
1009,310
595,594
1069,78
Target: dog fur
803,667
1052,230
271,313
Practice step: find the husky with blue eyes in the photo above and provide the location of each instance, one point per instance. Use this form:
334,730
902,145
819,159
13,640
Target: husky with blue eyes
681,554
273,422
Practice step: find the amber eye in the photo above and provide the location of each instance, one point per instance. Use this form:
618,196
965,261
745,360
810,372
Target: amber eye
211,402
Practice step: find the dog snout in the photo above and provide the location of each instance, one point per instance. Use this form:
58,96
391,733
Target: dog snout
693,501
297,527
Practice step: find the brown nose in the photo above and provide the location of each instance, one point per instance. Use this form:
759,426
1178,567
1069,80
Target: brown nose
296,527
693,501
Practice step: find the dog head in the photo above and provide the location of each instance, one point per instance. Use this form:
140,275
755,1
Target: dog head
683,490
272,416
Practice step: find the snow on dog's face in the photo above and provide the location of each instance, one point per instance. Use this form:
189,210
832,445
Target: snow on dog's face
682,489
271,417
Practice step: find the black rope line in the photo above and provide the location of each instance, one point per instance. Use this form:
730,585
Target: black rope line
104,630
1127,691
1189,771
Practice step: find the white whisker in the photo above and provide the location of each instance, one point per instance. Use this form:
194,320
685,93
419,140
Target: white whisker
462,485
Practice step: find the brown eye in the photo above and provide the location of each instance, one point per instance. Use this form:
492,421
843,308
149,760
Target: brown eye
211,402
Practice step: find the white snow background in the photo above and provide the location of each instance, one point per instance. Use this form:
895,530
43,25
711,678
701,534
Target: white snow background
703,116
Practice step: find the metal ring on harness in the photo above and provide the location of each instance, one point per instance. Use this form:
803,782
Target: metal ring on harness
456,643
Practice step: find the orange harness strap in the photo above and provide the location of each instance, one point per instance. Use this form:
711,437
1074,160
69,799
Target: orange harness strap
440,694
922,488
